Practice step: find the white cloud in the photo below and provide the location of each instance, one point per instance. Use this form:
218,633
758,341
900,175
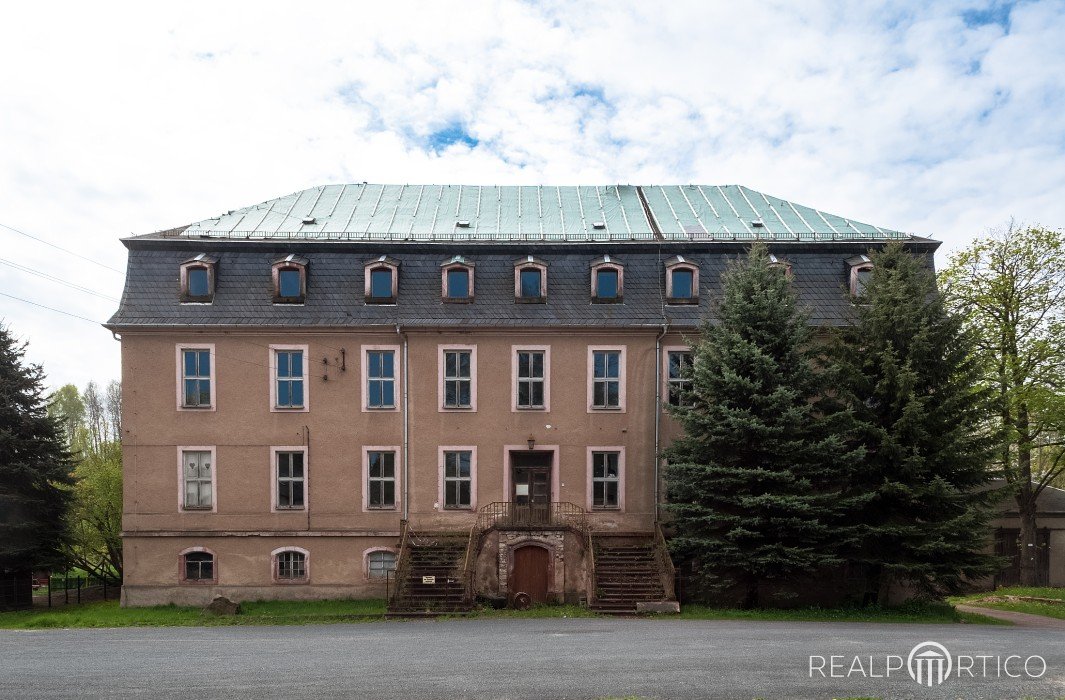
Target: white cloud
937,118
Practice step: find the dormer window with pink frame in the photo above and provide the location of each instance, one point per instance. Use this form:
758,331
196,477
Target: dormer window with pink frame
530,280
608,281
290,280
456,280
382,280
682,281
861,271
197,279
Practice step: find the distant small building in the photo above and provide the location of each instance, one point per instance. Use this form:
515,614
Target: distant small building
1050,539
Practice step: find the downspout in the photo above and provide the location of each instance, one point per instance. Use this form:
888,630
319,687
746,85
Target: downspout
406,426
658,409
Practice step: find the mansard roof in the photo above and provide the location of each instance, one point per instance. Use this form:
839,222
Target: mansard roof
336,299
531,214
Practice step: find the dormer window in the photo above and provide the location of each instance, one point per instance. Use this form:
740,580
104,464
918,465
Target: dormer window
682,281
197,279
861,271
382,280
290,280
776,263
530,280
607,280
457,280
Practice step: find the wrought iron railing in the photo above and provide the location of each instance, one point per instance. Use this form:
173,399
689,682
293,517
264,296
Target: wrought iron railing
532,516
665,563
402,563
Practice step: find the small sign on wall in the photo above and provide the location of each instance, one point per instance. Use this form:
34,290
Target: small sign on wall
428,579
521,489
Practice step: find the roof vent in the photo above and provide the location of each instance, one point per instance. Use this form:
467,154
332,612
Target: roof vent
598,224
758,223
309,220
462,223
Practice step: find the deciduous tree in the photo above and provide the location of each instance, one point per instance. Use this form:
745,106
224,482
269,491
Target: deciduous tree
1010,288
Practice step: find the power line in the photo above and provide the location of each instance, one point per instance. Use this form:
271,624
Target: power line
69,252
46,276
58,311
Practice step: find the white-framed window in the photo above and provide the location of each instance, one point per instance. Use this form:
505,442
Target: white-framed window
197,565
381,479
682,281
288,384
458,377
606,378
290,478
678,375
379,563
458,478
607,281
291,565
606,480
530,376
197,478
195,377
380,369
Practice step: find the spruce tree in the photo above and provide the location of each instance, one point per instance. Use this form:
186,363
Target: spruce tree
34,465
906,368
755,485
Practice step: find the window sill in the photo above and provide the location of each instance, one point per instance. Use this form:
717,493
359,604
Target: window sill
606,509
605,408
670,301
204,301
530,408
381,301
289,302
200,407
293,409
197,509
195,582
289,509
458,300
458,409
381,408
291,581
381,509
460,509
530,300
618,300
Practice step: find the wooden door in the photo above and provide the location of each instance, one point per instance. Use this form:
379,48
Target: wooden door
531,488
530,573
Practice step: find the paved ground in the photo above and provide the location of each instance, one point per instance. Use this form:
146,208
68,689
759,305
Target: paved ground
581,658
1018,618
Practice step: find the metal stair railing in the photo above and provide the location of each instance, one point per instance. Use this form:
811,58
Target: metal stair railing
665,563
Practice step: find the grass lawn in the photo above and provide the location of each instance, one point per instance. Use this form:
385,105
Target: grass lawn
109,614
1024,606
279,612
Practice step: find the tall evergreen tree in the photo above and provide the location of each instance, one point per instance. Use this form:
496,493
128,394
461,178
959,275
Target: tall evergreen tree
755,485
34,465
906,368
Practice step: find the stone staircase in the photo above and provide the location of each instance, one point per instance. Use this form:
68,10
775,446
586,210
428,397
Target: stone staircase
628,570
430,575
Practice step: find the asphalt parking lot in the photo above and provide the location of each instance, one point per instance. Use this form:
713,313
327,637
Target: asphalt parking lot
556,658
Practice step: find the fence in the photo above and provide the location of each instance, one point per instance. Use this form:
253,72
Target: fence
74,590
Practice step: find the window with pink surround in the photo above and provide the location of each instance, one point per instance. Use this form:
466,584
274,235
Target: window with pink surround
197,566
682,281
198,279
290,280
456,280
861,271
382,280
608,281
530,280
606,478
291,565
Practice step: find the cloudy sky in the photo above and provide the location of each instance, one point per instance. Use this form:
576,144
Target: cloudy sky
942,118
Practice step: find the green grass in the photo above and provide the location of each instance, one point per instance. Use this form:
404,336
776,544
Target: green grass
281,612
911,612
278,612
1055,610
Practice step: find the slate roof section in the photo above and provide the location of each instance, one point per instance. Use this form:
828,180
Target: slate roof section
533,214
335,284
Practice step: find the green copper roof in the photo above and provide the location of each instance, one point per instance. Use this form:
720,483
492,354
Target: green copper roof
533,213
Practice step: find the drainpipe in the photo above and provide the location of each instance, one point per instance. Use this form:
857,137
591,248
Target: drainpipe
406,426
658,408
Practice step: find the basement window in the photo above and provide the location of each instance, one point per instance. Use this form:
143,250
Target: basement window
380,563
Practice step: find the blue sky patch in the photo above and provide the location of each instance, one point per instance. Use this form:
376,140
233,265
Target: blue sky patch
996,13
451,134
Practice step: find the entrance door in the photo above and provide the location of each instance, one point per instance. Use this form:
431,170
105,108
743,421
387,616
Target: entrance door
531,488
530,573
